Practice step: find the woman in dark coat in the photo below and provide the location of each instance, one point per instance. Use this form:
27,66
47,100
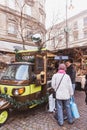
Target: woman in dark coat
85,89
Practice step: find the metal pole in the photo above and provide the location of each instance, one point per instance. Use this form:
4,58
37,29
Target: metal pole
66,31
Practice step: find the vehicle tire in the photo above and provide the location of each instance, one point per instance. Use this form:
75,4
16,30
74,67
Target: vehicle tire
4,114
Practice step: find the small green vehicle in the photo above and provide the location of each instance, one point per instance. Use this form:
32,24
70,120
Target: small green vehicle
24,83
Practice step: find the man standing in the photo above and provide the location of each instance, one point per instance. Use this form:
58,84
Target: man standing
71,71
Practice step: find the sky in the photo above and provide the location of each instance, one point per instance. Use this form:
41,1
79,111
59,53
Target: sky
56,10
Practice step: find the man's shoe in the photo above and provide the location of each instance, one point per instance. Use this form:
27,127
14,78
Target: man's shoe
60,124
71,123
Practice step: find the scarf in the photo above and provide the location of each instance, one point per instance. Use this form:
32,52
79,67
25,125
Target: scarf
61,71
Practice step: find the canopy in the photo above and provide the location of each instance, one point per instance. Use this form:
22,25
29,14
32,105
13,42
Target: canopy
11,47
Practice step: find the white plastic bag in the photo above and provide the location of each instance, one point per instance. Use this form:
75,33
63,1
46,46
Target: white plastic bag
51,103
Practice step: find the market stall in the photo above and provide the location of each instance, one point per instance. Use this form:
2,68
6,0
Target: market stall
81,80
79,56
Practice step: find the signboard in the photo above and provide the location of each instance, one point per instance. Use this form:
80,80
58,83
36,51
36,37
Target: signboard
61,57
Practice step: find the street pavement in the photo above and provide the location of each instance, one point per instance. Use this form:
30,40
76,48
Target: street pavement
39,119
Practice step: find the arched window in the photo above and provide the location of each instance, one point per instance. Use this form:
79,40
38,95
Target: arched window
27,10
2,2
11,4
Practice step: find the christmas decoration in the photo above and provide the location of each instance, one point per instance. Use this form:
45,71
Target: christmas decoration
17,104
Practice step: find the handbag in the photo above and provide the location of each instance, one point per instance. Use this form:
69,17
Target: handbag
74,109
54,92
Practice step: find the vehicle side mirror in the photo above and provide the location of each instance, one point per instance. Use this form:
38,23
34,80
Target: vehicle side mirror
42,75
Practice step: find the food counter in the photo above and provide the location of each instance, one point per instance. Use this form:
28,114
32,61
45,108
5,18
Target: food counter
81,79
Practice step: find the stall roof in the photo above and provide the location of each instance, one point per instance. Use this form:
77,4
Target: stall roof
67,50
11,47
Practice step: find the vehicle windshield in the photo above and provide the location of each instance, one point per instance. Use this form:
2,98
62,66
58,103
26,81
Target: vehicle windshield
16,72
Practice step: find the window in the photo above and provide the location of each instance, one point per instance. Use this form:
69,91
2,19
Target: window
11,4
27,10
12,28
22,72
41,18
75,35
53,43
28,34
2,2
29,1
75,25
85,34
19,5
85,21
42,2
59,38
17,72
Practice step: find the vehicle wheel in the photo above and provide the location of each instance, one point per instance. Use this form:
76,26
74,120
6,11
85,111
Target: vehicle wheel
3,116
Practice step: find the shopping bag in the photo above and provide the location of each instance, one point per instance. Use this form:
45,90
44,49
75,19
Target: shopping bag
74,109
51,103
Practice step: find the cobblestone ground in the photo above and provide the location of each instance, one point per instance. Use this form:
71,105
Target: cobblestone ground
39,119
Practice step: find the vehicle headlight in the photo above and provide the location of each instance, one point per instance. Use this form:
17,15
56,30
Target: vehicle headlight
18,91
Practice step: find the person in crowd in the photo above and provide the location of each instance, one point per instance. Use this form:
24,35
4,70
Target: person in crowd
71,71
85,89
63,94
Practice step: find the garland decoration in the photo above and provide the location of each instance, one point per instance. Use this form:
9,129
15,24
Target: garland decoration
18,104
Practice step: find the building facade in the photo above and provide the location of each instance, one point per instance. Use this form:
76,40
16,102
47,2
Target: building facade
76,33
19,21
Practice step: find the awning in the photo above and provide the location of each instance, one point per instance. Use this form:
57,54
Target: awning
11,47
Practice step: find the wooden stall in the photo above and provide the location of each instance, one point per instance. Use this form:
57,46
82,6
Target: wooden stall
79,56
